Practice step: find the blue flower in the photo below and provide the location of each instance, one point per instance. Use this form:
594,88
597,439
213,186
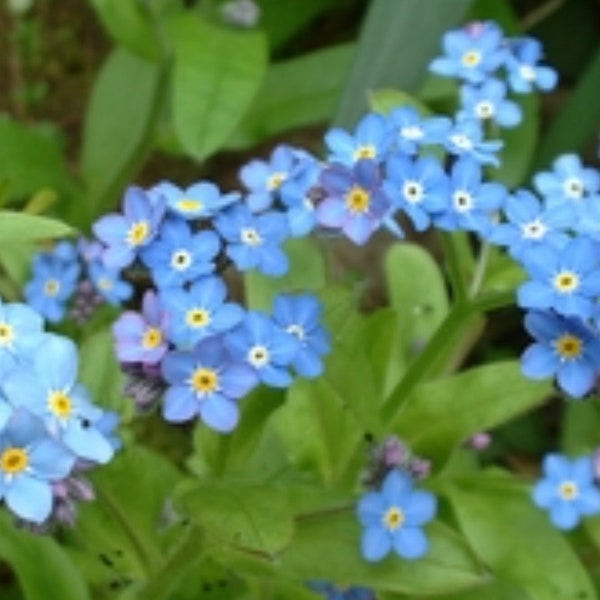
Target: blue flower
30,460
530,224
410,131
53,283
21,330
471,54
567,490
466,139
260,343
354,200
564,348
265,179
472,202
199,312
48,388
179,256
523,71
141,338
566,279
336,592
206,383
487,103
124,235
253,241
201,200
393,518
417,187
299,315
370,141
109,283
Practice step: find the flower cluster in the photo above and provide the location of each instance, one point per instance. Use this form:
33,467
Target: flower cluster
50,430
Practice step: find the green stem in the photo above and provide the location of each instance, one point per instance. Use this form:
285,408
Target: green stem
453,255
480,268
437,348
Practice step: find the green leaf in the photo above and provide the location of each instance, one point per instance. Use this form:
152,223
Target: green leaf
118,127
217,74
396,43
31,158
40,565
516,539
22,227
580,433
384,100
306,273
295,93
130,25
253,517
478,399
578,121
328,548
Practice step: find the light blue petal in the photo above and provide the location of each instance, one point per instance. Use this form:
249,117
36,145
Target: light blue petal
410,542
376,543
50,460
564,515
30,499
87,442
219,413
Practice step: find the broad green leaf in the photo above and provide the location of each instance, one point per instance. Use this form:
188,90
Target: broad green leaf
124,523
328,548
130,24
306,273
40,564
516,539
396,43
22,227
580,431
256,518
118,127
318,429
295,93
417,290
578,121
217,74
31,159
477,400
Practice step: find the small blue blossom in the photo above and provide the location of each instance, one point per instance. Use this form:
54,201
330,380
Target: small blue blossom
109,283
418,188
30,462
472,202
564,348
300,316
141,338
488,103
53,282
178,255
21,331
261,344
523,71
336,592
206,383
567,490
411,132
370,141
393,518
466,139
472,53
253,241
199,312
201,200
48,388
566,279
354,200
124,235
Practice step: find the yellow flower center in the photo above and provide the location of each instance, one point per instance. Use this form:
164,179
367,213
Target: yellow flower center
7,335
152,338
368,151
14,460
568,490
471,58
275,180
358,200
566,281
197,317
51,287
60,404
205,381
138,233
393,518
189,205
568,346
